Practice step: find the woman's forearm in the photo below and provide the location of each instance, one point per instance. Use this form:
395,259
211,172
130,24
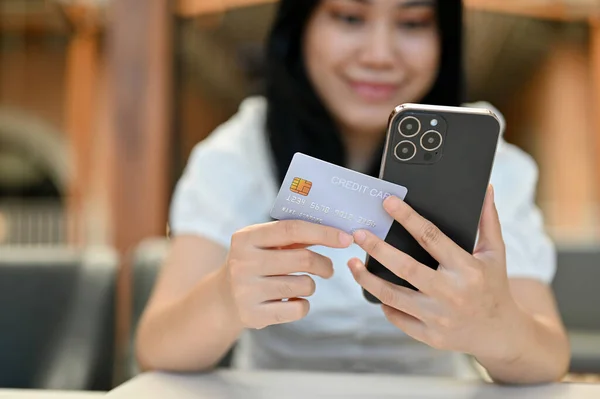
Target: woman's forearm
192,334
541,355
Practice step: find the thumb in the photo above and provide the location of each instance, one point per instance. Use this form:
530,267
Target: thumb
490,232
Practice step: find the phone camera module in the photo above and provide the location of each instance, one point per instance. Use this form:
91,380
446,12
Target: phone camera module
431,140
405,151
409,126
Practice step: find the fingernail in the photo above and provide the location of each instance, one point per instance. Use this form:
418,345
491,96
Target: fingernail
346,239
391,203
359,236
492,194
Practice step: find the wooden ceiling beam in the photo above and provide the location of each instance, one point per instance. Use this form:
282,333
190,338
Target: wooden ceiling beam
565,10
560,10
35,23
55,18
196,8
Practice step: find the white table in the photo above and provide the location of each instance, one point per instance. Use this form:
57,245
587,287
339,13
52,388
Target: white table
39,394
276,385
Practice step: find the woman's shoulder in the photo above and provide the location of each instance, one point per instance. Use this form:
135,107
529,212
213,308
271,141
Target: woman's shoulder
245,128
240,142
510,159
223,187
235,159
515,172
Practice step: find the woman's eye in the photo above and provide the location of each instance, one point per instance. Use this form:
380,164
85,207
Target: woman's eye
414,24
349,19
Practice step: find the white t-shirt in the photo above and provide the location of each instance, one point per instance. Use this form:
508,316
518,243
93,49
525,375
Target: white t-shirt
229,183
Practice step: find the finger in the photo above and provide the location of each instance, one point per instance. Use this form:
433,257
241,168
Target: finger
290,232
280,312
431,238
401,298
283,262
490,231
411,326
294,246
286,287
399,263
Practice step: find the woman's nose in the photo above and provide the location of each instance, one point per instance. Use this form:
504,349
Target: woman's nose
378,47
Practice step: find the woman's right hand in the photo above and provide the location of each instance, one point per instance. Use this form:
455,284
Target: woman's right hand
260,261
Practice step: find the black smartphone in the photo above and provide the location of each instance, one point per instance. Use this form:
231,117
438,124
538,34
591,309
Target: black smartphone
444,157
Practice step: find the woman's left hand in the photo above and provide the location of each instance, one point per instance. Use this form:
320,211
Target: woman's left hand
465,305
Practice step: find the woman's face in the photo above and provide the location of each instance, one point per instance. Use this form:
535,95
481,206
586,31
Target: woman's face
365,57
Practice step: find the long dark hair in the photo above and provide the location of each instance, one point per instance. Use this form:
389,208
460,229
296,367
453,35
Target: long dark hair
297,120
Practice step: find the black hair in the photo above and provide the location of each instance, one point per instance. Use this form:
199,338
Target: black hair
297,120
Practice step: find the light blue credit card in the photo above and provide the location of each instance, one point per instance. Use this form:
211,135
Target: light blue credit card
327,194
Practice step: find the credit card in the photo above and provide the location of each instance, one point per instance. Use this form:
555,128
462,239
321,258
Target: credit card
323,193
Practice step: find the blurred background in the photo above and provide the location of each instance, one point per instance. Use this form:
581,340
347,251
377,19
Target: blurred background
101,102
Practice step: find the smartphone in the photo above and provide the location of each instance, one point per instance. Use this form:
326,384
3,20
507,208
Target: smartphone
444,156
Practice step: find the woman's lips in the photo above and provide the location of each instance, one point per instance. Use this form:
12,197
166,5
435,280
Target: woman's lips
374,92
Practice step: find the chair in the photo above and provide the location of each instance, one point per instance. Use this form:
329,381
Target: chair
578,297
147,260
57,318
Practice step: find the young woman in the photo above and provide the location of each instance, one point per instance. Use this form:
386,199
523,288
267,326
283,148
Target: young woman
336,70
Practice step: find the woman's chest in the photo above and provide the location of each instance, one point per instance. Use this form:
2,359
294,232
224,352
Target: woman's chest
338,304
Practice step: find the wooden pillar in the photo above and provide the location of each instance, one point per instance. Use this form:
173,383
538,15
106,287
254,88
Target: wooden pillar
140,56
81,77
594,51
561,114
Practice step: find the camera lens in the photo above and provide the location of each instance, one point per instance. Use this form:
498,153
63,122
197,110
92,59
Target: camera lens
409,126
431,140
405,150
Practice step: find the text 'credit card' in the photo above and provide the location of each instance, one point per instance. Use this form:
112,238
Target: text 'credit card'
327,194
